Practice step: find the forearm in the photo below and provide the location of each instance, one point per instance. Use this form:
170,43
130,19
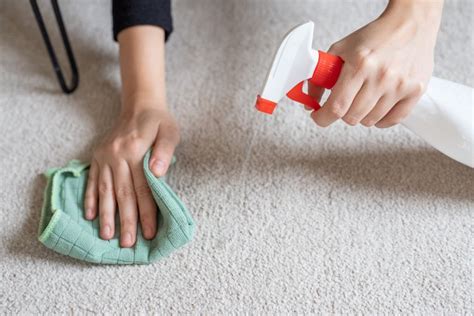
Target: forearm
415,18
420,11
142,67
426,4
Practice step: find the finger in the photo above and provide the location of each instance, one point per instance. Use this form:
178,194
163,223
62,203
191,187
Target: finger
166,141
127,204
364,101
91,194
341,97
146,205
315,92
383,106
397,113
413,90
106,203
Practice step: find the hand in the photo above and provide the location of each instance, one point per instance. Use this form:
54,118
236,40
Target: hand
388,64
116,173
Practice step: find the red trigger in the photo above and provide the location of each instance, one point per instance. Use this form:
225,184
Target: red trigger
297,94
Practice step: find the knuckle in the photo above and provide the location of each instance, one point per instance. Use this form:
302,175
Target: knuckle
387,74
127,223
124,192
337,110
91,178
361,54
142,190
96,152
134,146
402,84
115,146
89,197
131,146
365,59
91,182
105,188
419,88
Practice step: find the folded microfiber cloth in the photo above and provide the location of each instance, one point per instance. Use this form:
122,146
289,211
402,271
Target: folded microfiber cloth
64,229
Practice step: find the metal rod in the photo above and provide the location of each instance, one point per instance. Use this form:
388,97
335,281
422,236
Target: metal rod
52,54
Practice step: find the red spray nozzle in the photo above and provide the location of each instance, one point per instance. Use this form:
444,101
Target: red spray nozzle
264,105
325,75
327,70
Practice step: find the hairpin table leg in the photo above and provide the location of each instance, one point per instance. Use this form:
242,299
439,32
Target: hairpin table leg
52,55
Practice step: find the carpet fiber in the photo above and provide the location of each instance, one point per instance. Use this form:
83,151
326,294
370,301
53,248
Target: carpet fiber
290,218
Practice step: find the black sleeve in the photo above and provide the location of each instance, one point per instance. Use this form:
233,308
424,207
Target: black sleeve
126,13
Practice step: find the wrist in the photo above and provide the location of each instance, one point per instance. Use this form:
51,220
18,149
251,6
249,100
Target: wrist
420,11
142,69
140,103
417,18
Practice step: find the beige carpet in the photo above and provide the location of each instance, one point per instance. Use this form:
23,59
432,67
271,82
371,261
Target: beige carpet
310,220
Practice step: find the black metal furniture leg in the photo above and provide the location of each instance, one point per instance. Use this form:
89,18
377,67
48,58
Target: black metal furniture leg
52,55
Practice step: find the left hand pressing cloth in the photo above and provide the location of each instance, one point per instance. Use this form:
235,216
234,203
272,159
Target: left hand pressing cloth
64,229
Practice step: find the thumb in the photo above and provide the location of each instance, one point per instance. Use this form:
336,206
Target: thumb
163,149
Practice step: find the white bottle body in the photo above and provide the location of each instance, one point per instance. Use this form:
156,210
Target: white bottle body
444,117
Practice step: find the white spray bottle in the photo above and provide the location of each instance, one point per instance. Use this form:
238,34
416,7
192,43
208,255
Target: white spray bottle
443,117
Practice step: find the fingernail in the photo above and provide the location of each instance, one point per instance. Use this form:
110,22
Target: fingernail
88,213
147,233
351,120
370,122
159,167
106,231
127,239
152,161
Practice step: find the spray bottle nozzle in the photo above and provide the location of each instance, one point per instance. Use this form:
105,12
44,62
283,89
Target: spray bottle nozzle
264,105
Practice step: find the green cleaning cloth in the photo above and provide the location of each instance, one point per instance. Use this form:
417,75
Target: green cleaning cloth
64,229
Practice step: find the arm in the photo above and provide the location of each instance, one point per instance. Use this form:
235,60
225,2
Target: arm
116,174
142,68
388,64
